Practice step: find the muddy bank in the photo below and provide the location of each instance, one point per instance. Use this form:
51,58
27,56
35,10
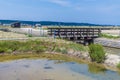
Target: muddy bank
111,61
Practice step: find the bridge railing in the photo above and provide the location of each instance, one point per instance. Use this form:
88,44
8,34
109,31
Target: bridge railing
74,32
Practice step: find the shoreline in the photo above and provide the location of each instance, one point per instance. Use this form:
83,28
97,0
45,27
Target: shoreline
82,57
110,62
51,56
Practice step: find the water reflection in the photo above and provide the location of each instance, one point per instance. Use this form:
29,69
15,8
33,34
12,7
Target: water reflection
53,70
93,68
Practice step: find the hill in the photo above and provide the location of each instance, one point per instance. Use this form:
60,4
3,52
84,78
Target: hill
49,23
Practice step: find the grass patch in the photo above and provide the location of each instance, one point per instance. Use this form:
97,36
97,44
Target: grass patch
77,47
109,36
65,58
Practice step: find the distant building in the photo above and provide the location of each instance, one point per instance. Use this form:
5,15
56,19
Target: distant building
38,25
16,25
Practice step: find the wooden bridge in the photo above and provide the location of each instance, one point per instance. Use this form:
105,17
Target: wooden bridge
79,35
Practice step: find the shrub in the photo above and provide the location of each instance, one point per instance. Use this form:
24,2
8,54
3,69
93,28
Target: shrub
2,50
97,53
118,65
29,35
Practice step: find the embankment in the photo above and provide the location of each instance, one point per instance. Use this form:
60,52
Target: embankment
108,42
111,60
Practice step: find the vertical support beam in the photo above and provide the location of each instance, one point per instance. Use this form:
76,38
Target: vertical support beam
73,34
51,31
59,33
77,33
71,31
85,42
99,32
91,41
66,33
93,32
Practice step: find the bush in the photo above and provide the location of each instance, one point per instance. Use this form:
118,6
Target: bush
29,35
2,50
118,66
97,53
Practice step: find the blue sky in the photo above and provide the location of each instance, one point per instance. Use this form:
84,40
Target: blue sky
87,11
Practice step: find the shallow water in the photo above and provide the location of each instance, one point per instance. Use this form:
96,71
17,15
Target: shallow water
112,50
53,70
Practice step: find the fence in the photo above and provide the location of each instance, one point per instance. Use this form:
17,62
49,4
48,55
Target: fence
22,33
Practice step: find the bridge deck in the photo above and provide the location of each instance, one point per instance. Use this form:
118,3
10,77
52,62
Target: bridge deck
75,34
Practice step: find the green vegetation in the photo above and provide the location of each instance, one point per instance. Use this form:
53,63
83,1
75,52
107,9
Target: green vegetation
22,46
29,35
62,57
109,36
118,66
38,46
97,53
77,47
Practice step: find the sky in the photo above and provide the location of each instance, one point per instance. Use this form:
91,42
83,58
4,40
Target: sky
83,11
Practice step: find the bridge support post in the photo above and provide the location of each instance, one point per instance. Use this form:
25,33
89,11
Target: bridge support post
91,41
88,41
85,42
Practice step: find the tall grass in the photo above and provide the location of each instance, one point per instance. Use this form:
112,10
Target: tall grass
21,46
38,46
77,47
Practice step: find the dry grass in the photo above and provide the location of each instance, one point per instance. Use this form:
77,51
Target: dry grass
11,35
111,32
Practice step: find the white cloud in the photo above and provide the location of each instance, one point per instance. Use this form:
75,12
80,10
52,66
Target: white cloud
65,3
